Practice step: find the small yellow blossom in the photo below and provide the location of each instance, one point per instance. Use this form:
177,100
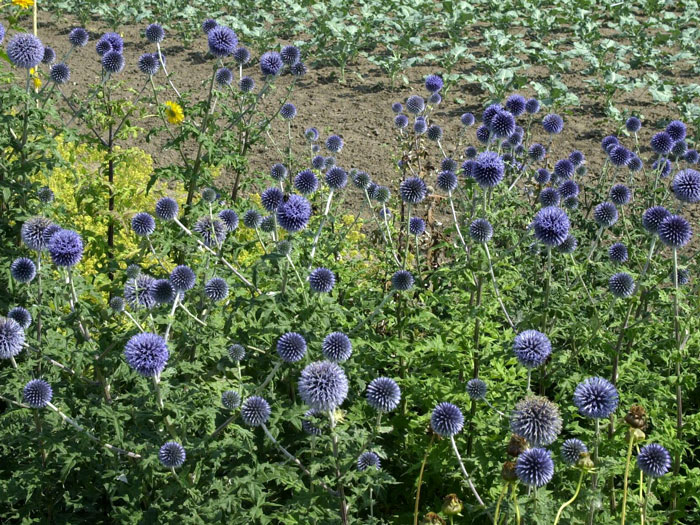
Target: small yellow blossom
173,112
35,79
24,4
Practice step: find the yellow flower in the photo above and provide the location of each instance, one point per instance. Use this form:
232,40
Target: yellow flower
35,79
24,4
173,112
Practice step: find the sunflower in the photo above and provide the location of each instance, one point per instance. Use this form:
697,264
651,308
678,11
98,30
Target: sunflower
173,112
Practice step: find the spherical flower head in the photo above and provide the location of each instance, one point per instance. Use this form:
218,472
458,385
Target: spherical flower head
608,142
686,186
137,291
532,348
683,277
621,285
605,214
306,182
564,169
291,347
133,271
25,50
321,280
576,158
420,126
618,253
691,156
298,69
271,63
532,106
293,215
535,467
288,111
213,233
337,347
596,398
483,134
571,203
515,140
571,451
536,419
489,113
433,83
278,171
481,230
516,104
413,190
476,389
11,338
115,41
489,169
654,460
113,62
542,176
162,291
66,248
536,152
223,76
567,189
246,84
102,47
416,226
255,411
117,304
336,178
222,41
662,143
143,224
328,162
167,208
271,198
569,245
663,166
551,226
230,399
155,33
675,231
45,195
397,107
290,55
368,459
252,219
553,124
24,318
209,195
311,422
323,385
635,164
679,149
415,104
49,55
467,119
676,129
37,393
172,455
620,194
468,168
434,133
59,73
447,181
402,280
236,352
633,124
334,144
230,219
23,270
653,217
446,419
383,394
216,289
147,354
502,124
78,37
549,197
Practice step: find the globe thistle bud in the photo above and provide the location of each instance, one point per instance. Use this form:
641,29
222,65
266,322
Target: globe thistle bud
434,133
447,181
337,347
23,270
336,178
413,190
620,194
476,389
321,280
216,289
532,106
416,226
255,411
155,33
288,111
291,347
549,197
230,219
633,124
569,245
683,276
605,214
686,186
676,130
542,176
653,217
167,209
66,248
481,231
553,124
415,104
290,55
59,73
117,304
368,459
662,143
433,83
402,280
113,62
571,451
241,55
334,144
133,271
306,182
37,393
452,505
383,394
537,420
675,231
446,419
21,316
621,285
230,399
467,119
618,253
223,77
143,224
564,169
246,84
78,37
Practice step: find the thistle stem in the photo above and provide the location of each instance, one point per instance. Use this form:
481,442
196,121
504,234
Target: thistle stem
320,228
495,286
465,473
498,504
647,494
594,478
420,479
595,244
515,503
341,488
171,317
626,478
573,498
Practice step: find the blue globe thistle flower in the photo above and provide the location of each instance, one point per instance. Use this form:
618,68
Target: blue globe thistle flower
117,304
489,169
653,217
413,190
102,47
448,164
291,347
675,231
467,119
433,83
691,156
236,352
633,124
133,271
569,245
549,197
32,233
605,214
415,104
167,208
45,195
367,460
542,176
568,188
564,169
271,198
222,41
337,347
619,156
483,134
535,467
230,399
155,33
384,213
208,25
536,152
278,171
686,186
654,460
516,104
241,55
49,55
515,140
571,203
298,70
383,394
230,219
213,232
434,133
596,398
271,63
209,195
447,181
306,182
11,338
59,73
502,124
402,280
476,389
446,419
143,224
608,141
416,226
137,291
553,124
172,455
255,411
66,248
620,194
420,126
618,253
481,231
662,143
336,178
293,215
147,354
113,62
334,143
621,285
551,226
679,149
571,451
400,121
23,270
288,111
381,194
468,168
321,280
290,55
490,112
328,162
537,420
78,37
37,393
246,84
24,318
397,107
268,224
311,422
532,348
323,386
25,50
676,129
532,106
635,164
683,277
216,289
663,166
361,180
252,219
576,158
223,76
162,291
